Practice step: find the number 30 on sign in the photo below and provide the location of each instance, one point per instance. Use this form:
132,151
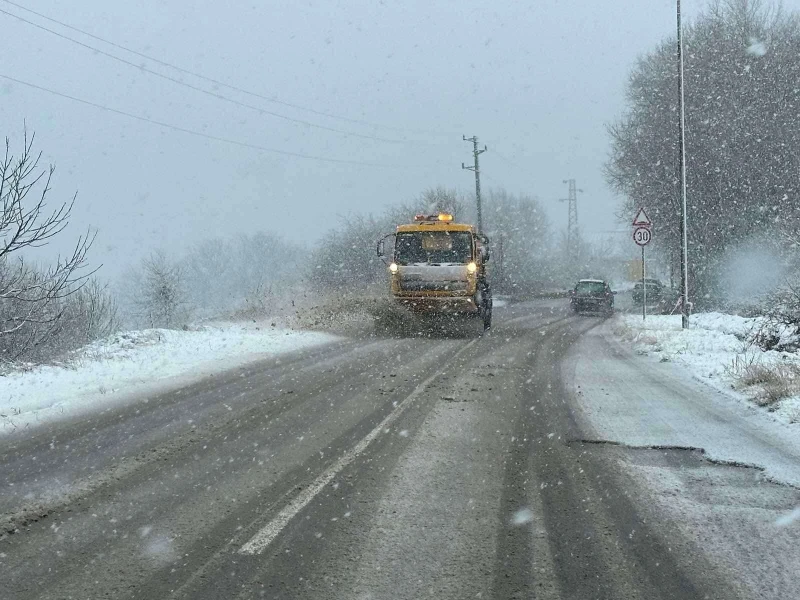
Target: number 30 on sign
642,236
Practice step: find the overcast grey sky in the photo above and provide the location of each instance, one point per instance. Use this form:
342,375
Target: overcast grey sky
537,81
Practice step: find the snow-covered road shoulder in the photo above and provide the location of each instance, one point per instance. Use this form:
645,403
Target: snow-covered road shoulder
638,402
719,350
137,363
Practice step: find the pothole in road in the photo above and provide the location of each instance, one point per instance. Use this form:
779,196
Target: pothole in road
680,457
724,503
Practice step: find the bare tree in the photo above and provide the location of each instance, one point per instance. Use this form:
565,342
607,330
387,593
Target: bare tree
31,299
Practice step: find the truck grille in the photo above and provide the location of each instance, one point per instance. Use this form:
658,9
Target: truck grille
433,286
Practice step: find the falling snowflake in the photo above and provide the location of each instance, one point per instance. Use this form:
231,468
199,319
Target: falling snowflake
160,549
788,518
522,516
756,48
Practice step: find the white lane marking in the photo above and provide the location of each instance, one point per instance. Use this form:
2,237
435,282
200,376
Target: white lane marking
270,531
532,316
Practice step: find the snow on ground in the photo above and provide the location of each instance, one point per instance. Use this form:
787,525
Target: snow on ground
718,350
137,363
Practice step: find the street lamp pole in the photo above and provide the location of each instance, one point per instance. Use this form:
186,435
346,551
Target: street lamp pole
682,158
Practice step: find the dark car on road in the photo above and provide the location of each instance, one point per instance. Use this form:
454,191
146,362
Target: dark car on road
655,289
592,295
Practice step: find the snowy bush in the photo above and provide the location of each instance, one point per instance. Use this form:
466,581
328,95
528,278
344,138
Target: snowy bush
89,314
785,307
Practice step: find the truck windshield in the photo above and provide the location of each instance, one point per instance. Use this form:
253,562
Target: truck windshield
433,247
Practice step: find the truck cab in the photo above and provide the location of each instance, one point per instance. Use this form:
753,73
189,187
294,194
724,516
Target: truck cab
437,266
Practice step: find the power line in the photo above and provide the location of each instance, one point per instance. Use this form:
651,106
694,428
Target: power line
508,160
490,177
201,134
222,83
204,91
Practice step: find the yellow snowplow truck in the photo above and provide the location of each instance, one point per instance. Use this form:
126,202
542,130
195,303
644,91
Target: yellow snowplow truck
438,267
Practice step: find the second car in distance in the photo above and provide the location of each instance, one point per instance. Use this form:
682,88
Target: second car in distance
592,295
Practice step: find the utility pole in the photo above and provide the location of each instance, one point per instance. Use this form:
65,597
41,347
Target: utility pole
682,157
572,224
476,153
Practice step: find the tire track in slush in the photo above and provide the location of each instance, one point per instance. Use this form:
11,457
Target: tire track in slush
265,536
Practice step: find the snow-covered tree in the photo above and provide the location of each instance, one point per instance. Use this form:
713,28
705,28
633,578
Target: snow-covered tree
157,291
742,65
248,272
520,240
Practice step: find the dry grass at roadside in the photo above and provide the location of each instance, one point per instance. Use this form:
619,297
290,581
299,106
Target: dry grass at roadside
625,332
772,382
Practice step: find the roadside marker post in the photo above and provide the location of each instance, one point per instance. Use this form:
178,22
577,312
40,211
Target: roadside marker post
642,234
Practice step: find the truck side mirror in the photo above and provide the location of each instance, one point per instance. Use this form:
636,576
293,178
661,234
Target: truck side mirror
485,254
381,250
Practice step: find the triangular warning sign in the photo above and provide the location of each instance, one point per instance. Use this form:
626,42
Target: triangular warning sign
642,220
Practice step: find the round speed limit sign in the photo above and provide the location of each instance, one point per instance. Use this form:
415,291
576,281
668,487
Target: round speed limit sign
642,236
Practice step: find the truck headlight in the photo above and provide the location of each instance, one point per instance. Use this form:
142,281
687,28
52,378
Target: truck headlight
472,267
393,267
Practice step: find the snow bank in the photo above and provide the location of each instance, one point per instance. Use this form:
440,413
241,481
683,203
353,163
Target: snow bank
718,350
131,363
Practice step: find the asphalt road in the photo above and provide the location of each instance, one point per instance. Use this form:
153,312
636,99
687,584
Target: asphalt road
371,468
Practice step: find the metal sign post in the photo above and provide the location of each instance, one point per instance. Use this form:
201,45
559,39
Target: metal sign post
682,156
642,234
644,289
